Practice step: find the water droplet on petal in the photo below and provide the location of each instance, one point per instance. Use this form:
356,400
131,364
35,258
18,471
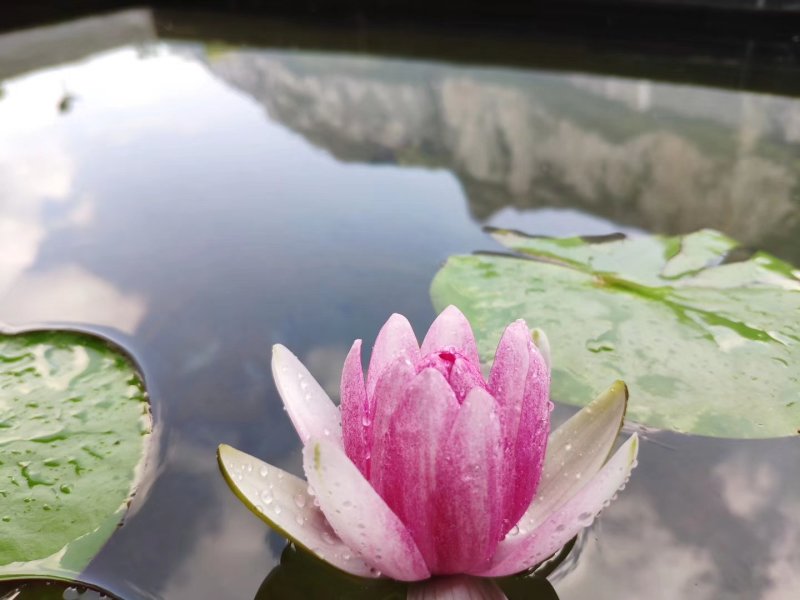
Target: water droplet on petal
328,537
263,471
300,499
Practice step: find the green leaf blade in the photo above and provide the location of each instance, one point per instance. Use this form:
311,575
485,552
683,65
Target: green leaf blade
706,348
74,429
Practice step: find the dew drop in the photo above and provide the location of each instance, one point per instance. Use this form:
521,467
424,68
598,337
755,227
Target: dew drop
277,509
266,497
585,516
514,530
263,471
328,538
365,421
300,519
300,499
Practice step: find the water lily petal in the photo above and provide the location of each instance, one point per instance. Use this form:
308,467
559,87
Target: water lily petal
312,412
458,587
576,451
531,441
359,515
451,330
395,341
461,374
282,501
543,344
507,382
389,394
416,439
523,551
467,528
355,414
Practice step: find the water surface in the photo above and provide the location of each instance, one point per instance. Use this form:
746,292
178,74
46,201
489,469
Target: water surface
199,203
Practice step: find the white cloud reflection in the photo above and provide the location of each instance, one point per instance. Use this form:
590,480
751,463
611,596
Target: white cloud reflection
40,166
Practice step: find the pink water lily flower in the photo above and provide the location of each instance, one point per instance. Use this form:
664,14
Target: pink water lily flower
428,468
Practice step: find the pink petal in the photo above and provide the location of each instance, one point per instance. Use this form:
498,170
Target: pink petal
355,415
531,443
389,394
468,515
282,501
396,341
507,383
525,550
459,587
358,515
451,330
416,440
461,374
309,407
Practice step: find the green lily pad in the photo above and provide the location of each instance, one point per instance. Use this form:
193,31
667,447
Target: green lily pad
74,427
708,344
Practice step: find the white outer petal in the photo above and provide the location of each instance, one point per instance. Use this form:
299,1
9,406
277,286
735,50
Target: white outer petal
282,501
575,453
311,410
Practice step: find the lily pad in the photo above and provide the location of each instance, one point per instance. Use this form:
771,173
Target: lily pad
708,343
74,427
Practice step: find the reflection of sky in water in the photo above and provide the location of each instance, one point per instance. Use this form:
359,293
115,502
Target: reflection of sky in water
167,206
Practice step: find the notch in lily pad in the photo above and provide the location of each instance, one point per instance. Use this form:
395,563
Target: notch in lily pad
708,344
75,427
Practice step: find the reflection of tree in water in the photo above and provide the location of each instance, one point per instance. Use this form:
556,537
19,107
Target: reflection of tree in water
664,158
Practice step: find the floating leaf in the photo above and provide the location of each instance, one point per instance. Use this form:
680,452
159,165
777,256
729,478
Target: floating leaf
74,426
707,344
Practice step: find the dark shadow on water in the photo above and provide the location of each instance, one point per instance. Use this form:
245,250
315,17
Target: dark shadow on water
300,575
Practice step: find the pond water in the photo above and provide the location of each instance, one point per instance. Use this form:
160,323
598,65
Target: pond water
199,202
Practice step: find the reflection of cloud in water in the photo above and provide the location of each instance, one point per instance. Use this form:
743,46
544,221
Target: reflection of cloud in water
633,552
233,532
31,177
73,294
754,491
325,363
556,222
746,488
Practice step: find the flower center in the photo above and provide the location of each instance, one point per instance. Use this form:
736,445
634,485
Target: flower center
459,372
